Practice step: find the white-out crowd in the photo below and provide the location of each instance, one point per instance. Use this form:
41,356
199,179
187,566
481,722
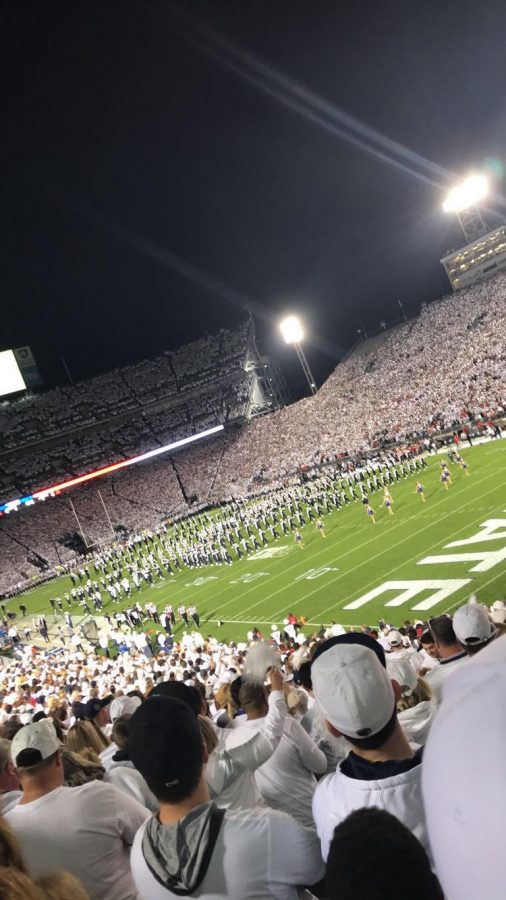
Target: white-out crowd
127,411
260,769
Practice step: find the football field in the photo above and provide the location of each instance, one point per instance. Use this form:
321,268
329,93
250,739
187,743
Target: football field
426,559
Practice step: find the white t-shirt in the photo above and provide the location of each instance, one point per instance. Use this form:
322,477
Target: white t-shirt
417,720
428,661
258,855
87,830
408,653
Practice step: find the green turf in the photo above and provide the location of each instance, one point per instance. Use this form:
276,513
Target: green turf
354,558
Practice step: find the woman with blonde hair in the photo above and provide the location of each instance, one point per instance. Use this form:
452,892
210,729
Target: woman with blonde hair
208,733
224,704
80,768
10,849
83,735
60,886
17,885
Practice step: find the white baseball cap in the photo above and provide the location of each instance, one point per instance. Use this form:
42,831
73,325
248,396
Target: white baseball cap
472,625
33,743
403,673
395,638
464,777
352,686
123,706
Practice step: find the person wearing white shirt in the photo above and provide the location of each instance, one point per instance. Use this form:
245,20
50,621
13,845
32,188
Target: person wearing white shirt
358,701
287,780
120,770
464,778
103,642
427,653
450,654
87,830
120,706
126,778
398,649
245,854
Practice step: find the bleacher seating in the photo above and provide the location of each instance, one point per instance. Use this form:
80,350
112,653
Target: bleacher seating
70,430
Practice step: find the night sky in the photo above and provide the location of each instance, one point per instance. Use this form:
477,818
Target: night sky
162,166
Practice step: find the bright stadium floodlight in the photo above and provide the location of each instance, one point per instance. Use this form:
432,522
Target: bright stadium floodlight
466,194
463,200
293,333
292,330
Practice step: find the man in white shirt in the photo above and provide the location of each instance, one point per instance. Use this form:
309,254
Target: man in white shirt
358,700
450,654
398,649
87,830
287,780
427,653
244,854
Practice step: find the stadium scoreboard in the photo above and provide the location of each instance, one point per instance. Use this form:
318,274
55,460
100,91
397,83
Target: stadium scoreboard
11,379
18,371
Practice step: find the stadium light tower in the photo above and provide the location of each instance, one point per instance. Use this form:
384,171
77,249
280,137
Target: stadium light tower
463,200
293,333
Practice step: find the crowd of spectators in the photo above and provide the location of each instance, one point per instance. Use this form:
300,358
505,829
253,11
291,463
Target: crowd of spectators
70,430
437,371
445,369
284,768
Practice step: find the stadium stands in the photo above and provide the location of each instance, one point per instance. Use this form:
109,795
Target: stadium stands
443,369
73,429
